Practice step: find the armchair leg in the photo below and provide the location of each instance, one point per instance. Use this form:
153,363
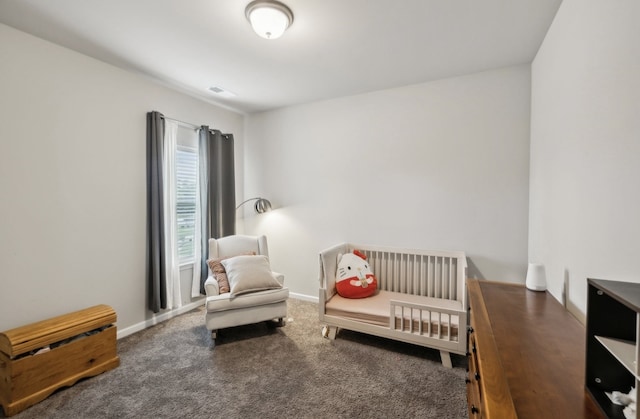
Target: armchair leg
214,334
279,322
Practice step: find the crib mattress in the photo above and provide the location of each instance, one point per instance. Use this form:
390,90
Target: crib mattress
376,310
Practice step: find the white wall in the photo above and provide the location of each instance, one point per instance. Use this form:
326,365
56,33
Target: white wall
440,165
73,179
585,143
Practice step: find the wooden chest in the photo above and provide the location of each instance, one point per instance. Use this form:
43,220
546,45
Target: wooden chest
39,358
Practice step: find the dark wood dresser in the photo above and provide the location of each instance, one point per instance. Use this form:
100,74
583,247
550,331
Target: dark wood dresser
526,355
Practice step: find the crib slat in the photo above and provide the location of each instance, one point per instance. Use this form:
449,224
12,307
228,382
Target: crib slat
401,266
416,275
395,272
383,270
411,272
377,271
405,272
451,282
375,266
428,276
388,269
425,276
392,316
448,278
412,327
445,282
439,277
390,278
380,271
438,290
421,278
408,284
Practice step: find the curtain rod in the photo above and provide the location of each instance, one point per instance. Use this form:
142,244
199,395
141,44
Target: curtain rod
186,124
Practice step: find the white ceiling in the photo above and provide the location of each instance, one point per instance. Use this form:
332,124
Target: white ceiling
334,47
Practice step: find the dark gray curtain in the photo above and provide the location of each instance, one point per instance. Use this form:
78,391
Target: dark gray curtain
222,185
217,192
156,277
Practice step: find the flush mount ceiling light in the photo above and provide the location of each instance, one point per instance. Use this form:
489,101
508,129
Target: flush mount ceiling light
269,18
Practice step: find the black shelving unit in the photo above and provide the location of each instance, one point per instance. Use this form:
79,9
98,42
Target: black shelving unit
613,310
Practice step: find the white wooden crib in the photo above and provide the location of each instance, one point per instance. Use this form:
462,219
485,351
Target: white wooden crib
421,298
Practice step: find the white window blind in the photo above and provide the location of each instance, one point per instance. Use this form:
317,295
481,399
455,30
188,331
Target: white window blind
186,184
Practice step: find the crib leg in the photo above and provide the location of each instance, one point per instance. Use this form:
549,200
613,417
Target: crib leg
446,359
329,332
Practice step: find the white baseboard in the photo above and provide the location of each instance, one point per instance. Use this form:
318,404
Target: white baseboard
160,318
304,297
188,307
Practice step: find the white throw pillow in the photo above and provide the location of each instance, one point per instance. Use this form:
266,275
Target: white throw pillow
249,274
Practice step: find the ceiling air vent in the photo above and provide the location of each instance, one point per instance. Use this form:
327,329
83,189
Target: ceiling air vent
221,92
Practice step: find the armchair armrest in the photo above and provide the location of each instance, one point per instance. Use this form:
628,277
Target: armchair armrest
279,277
211,286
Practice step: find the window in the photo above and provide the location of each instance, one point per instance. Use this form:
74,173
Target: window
186,161
186,184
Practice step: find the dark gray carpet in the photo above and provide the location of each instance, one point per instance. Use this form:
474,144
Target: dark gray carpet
172,370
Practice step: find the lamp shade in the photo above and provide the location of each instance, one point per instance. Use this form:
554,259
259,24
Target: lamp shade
269,18
536,277
261,206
